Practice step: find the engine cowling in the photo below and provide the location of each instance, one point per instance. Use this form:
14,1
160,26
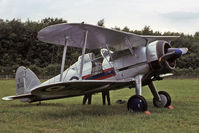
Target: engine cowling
157,56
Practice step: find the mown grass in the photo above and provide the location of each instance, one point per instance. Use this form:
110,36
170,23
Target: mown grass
69,116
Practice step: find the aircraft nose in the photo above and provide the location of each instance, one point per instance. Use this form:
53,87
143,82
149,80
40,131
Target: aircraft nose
173,53
177,52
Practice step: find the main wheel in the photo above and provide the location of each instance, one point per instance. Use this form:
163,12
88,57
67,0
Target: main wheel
137,103
165,100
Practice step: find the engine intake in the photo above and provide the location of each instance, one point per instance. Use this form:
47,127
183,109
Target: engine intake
155,52
162,50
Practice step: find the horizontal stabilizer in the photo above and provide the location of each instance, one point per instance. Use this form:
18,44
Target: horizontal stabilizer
9,98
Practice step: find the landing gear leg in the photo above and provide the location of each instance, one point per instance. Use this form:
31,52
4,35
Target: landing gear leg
137,103
154,91
161,98
138,85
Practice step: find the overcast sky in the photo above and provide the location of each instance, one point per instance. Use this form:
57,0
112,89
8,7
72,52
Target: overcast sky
169,15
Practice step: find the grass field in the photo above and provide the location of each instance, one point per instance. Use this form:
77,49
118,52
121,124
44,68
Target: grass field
69,116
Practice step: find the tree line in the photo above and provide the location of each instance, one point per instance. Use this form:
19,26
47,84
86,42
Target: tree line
19,46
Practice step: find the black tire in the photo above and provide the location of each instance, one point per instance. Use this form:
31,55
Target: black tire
164,96
137,103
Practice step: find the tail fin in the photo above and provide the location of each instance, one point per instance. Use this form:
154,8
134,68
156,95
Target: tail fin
25,80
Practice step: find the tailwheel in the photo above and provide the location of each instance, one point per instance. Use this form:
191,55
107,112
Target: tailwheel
137,103
165,100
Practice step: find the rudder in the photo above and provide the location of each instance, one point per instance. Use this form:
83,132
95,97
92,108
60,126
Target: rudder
25,80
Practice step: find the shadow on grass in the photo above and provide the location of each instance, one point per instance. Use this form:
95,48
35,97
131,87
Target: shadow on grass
36,105
79,111
64,111
55,111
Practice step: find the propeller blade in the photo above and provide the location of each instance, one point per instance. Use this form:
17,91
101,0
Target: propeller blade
184,50
167,56
173,53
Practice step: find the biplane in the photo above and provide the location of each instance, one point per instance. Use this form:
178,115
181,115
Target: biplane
127,60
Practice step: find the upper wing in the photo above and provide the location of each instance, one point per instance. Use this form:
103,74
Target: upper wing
98,37
154,38
74,88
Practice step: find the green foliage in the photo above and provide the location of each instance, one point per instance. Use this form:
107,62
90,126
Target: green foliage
126,29
147,31
186,72
19,46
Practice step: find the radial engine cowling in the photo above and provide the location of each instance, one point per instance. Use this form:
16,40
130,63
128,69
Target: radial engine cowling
161,57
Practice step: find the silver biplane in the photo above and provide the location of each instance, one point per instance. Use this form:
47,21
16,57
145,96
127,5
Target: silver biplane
127,60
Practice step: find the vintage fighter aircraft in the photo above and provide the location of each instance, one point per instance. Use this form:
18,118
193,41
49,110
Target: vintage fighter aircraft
127,60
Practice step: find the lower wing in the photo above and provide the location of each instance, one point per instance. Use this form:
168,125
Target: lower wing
74,88
67,89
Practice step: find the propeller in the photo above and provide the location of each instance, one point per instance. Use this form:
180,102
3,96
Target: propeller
184,50
173,53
